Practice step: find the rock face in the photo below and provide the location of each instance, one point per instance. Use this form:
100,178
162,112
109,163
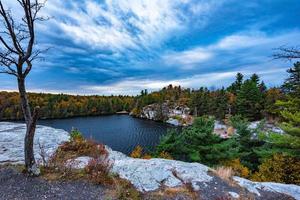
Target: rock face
256,187
175,115
12,141
149,175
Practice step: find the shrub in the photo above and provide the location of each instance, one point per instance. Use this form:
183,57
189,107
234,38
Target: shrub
146,156
224,172
98,170
238,168
137,152
76,135
124,190
280,168
165,155
198,144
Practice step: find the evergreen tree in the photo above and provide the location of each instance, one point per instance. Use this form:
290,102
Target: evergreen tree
292,84
236,86
249,100
199,144
255,78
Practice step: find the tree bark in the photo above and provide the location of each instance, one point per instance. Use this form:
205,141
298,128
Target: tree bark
31,121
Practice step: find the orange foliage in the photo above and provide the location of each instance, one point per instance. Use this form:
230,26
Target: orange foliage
137,152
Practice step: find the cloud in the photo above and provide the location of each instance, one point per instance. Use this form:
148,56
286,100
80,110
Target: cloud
216,79
111,46
257,44
188,58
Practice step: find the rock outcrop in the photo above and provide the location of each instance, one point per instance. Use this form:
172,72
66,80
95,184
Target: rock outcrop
176,115
149,175
12,141
145,175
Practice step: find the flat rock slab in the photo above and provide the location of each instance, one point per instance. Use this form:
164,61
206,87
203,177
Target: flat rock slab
12,141
256,187
149,175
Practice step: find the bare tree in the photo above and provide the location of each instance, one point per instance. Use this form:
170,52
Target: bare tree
17,39
288,53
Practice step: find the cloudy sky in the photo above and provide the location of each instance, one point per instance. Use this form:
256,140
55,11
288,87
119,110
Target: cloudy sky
124,46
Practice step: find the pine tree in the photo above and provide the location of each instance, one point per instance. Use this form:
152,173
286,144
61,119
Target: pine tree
249,99
291,85
236,86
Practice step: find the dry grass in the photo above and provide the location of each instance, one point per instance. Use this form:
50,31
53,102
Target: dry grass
224,173
97,171
185,192
122,189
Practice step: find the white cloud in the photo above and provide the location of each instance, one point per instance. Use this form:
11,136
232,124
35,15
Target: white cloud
188,58
218,79
256,41
128,24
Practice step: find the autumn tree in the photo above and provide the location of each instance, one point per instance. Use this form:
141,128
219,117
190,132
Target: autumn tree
17,38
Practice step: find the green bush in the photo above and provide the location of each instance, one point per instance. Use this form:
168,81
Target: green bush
198,144
76,135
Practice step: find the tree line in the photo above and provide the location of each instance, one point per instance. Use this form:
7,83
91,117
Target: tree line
249,98
62,105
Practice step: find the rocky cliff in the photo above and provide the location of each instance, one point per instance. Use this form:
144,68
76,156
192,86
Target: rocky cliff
178,115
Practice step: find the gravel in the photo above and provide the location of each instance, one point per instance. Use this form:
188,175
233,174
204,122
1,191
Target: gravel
14,185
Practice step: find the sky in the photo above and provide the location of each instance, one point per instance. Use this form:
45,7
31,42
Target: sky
117,47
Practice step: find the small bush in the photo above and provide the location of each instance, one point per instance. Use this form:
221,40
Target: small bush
82,147
280,168
146,156
124,190
165,155
76,135
224,172
137,152
98,170
57,166
238,168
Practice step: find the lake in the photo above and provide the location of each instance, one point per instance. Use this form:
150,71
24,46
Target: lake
120,132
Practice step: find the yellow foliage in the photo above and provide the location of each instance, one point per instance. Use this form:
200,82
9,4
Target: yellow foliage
238,168
165,155
280,168
147,156
137,152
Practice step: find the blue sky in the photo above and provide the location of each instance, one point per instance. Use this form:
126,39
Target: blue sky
124,46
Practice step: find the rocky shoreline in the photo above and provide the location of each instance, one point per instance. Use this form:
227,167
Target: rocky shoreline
145,175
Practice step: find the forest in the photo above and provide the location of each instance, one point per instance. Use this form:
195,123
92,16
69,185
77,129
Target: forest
255,154
62,105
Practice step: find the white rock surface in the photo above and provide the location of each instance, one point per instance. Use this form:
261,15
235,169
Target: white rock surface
219,125
173,122
78,163
149,175
234,195
254,187
12,141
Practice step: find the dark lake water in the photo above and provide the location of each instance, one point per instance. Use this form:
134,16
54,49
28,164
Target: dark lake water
120,132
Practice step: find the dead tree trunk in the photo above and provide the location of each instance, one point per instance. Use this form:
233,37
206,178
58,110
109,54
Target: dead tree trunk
31,121
17,40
